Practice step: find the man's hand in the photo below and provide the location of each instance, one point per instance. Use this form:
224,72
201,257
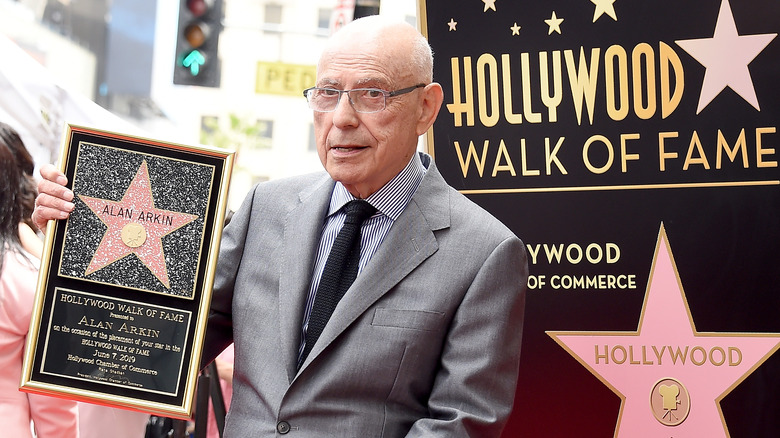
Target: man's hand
54,201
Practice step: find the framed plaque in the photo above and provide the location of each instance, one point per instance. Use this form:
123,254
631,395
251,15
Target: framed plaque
125,282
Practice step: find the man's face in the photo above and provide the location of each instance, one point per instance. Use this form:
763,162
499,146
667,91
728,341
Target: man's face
365,151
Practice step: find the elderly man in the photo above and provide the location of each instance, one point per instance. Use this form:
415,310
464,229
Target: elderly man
426,341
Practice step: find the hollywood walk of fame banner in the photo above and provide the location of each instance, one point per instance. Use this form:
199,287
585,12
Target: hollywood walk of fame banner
633,146
125,283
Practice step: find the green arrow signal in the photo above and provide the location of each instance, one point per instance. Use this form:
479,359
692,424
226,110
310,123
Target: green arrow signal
193,61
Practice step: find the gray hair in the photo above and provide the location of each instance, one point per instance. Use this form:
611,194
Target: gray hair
422,59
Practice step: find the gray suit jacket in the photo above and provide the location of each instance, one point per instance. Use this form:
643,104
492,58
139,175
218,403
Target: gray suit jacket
426,342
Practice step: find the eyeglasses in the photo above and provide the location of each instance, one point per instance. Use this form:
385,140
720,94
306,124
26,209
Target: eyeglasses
363,100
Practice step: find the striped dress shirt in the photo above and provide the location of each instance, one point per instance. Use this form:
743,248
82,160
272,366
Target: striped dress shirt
390,201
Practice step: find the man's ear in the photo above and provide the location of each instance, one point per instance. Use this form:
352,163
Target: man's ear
433,96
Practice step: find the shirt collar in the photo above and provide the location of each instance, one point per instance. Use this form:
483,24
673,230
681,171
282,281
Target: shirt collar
392,198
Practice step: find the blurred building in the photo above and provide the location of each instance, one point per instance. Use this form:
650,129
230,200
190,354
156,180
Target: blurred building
121,54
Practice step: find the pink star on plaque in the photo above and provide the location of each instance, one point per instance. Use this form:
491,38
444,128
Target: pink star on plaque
135,226
682,373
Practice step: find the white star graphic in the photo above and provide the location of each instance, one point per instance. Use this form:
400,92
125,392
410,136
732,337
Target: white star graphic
452,24
489,4
515,29
604,7
726,57
555,24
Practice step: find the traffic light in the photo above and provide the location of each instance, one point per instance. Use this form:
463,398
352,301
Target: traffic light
197,42
364,8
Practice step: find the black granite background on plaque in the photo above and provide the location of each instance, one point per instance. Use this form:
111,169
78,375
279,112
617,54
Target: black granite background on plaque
177,185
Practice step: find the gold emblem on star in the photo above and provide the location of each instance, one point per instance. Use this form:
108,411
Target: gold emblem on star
670,402
133,235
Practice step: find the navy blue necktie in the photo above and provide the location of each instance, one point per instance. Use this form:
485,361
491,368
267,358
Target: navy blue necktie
339,273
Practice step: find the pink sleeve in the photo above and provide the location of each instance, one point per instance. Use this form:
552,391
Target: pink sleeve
54,417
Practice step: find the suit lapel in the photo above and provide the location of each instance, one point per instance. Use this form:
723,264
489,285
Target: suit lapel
302,231
411,241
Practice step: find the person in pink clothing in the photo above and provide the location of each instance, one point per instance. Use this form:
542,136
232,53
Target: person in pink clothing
21,413
225,370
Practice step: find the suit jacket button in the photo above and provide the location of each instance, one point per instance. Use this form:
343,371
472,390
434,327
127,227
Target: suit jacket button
283,427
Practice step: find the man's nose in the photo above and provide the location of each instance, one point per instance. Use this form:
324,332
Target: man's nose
345,114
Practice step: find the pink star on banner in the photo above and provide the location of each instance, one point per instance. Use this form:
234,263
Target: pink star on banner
135,226
684,374
726,57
